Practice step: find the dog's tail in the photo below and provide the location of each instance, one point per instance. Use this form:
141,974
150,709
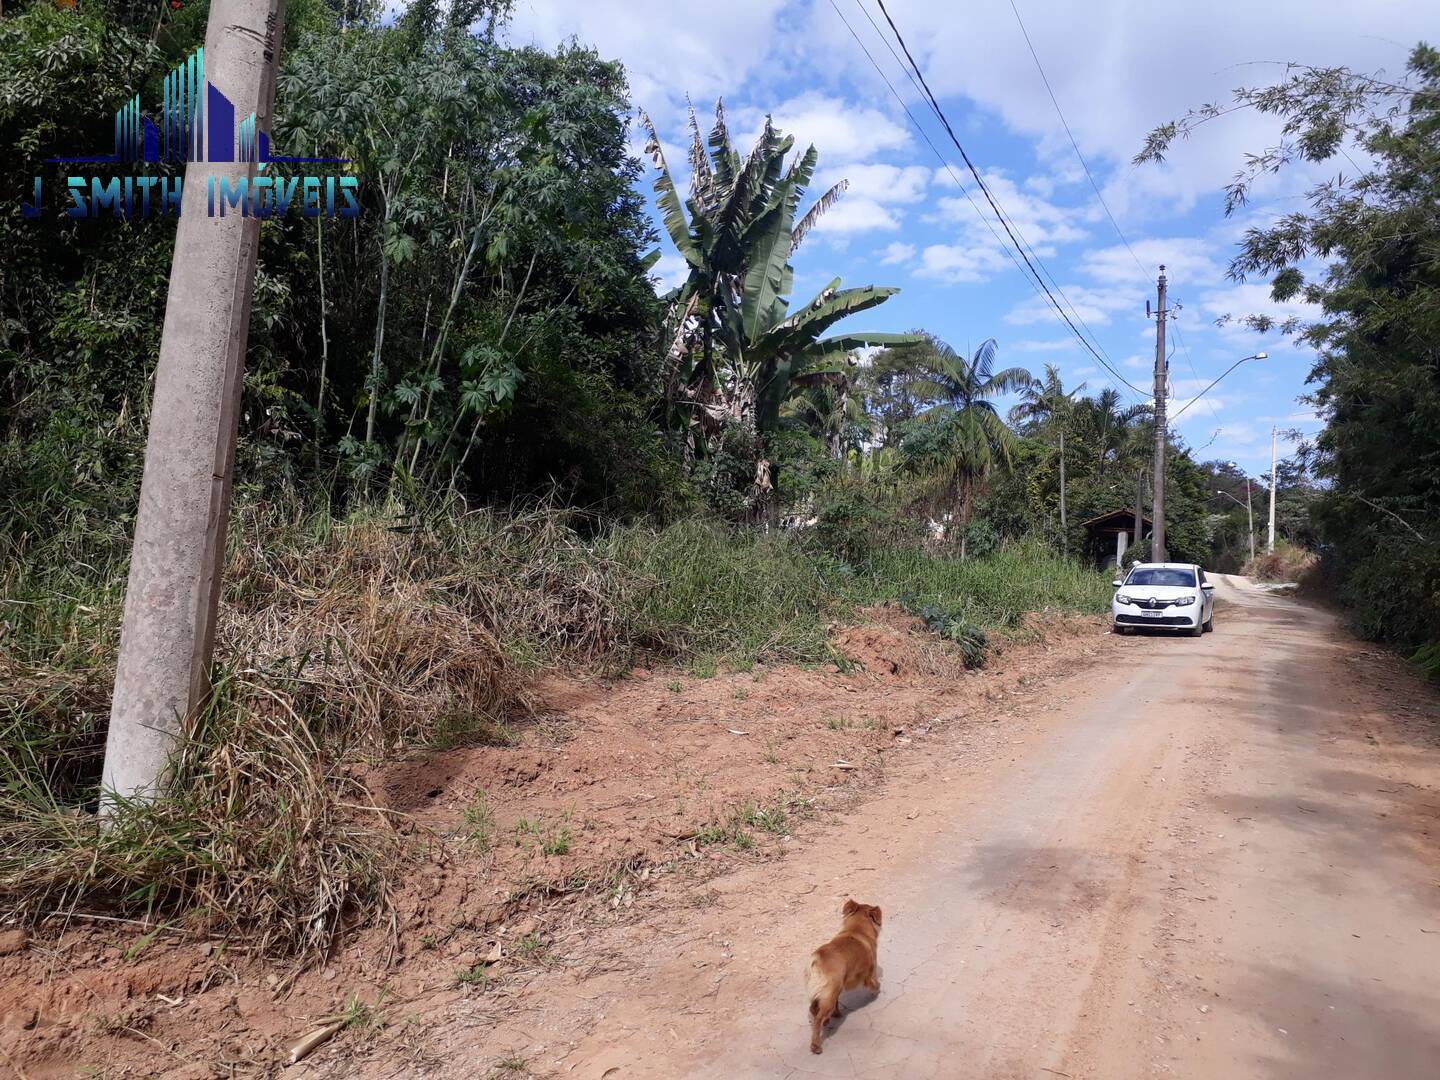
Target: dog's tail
814,983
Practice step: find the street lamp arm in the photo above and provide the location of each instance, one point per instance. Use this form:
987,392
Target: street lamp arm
1232,367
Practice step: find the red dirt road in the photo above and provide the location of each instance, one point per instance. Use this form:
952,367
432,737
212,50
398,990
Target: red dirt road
1212,858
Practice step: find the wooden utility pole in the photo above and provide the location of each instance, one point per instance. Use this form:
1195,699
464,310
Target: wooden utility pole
168,632
1157,503
1274,473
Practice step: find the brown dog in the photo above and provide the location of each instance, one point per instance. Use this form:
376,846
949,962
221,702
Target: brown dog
845,962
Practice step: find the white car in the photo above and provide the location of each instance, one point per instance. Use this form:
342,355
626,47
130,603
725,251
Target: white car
1166,596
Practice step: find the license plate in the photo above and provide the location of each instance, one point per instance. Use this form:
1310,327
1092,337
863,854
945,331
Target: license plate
1152,614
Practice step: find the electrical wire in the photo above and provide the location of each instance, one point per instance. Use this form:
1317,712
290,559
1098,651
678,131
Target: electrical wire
1073,144
994,205
1099,196
928,142
1009,252
1175,323
1108,361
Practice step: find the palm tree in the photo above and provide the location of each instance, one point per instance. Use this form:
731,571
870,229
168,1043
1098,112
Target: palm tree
1044,402
834,413
1110,424
960,438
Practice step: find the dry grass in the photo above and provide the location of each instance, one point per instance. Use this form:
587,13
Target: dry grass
1287,563
366,637
341,640
358,641
264,839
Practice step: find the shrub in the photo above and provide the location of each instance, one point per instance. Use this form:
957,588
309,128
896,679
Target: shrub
732,593
260,837
1287,563
991,594
1393,594
847,524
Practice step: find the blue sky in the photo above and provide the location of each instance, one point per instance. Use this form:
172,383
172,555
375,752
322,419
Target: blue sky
1116,68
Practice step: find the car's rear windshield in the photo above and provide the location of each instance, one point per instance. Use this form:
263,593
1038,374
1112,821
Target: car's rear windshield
1161,575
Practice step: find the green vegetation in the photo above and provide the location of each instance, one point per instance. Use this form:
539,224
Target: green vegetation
739,356
1374,231
474,443
479,975
479,822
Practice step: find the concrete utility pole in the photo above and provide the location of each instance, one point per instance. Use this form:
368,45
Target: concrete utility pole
168,631
1139,507
1250,514
1273,474
1157,504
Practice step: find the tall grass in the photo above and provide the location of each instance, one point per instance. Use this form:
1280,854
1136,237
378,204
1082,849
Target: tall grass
372,634
991,593
705,588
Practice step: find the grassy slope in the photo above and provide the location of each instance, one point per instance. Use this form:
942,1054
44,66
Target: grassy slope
341,639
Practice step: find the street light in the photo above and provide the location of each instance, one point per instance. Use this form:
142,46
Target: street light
1249,512
1232,367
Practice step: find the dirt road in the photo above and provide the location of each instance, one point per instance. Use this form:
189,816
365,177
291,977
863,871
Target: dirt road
1213,858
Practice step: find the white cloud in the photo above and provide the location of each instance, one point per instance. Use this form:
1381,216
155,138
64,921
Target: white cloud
706,53
1053,345
959,263
855,216
670,271
896,253
1250,298
878,181
1187,260
1035,219
838,129
1092,306
1118,70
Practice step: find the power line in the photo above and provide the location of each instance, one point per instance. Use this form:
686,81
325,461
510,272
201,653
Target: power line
1099,196
1190,361
1108,361
924,135
979,214
1074,145
994,206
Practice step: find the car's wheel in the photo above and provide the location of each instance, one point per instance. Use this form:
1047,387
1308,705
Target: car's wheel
1120,629
1196,631
1210,625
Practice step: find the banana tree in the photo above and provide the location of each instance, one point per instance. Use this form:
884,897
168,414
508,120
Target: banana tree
777,357
737,354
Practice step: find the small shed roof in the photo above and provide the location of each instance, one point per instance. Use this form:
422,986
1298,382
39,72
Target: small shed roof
1116,521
